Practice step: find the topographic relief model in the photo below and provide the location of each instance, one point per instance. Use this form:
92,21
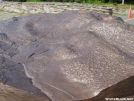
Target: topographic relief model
70,56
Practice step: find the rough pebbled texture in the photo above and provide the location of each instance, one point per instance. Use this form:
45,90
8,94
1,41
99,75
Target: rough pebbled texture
122,91
69,56
8,93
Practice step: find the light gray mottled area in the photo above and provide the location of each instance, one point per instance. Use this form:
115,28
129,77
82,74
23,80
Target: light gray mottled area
7,15
72,55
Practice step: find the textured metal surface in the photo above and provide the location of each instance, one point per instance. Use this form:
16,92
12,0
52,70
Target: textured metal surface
72,55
